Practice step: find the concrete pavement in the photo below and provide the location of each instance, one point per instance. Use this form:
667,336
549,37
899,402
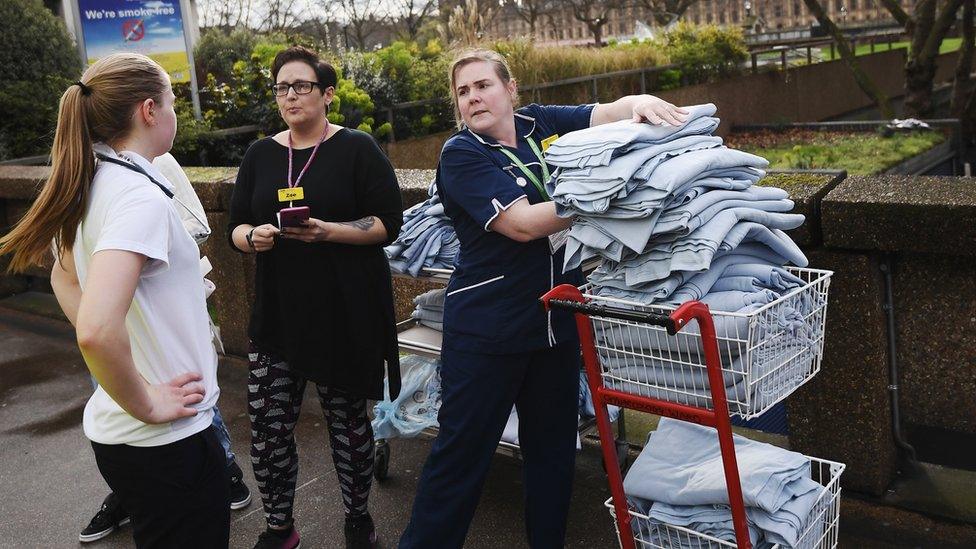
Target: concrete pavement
50,487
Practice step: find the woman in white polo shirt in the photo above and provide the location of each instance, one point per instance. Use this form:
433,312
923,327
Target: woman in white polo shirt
129,281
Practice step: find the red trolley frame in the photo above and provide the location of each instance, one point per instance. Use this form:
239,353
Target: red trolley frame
569,297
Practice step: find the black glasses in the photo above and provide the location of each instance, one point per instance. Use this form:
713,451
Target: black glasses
301,88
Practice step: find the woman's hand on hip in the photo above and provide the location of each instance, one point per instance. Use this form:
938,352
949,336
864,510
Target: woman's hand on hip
313,230
174,400
263,237
657,111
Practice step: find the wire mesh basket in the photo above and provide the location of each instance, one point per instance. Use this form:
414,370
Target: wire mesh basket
766,354
820,531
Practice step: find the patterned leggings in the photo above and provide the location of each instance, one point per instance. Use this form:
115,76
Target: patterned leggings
274,401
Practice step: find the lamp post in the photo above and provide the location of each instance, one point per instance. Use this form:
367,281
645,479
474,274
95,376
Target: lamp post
748,6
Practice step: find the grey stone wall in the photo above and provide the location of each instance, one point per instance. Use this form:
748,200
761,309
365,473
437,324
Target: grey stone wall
927,226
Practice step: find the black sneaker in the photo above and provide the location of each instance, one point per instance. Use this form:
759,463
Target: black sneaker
105,521
240,495
360,533
279,540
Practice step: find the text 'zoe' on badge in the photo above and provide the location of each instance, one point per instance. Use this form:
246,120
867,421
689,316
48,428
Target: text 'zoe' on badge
290,194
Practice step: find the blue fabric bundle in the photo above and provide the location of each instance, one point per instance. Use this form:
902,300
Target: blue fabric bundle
427,239
678,479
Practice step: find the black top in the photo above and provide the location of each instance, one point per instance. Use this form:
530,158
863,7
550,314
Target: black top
327,308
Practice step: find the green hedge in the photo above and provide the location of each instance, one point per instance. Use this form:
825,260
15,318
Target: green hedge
37,63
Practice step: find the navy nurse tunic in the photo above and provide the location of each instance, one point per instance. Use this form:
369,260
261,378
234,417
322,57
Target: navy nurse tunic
492,303
500,347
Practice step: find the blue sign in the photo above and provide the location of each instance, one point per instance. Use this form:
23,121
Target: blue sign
151,27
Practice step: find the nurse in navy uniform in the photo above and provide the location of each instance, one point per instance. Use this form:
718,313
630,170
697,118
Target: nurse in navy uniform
500,347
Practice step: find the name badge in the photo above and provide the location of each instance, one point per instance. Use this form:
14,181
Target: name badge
558,240
549,141
290,194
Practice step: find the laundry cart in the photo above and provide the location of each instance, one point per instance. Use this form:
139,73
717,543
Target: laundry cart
415,338
656,360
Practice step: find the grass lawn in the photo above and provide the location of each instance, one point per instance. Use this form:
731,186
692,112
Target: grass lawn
948,45
858,153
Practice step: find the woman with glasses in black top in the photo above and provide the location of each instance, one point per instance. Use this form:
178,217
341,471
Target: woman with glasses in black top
323,307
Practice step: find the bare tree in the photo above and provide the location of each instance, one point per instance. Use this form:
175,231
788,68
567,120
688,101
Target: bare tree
531,11
964,66
595,14
666,12
226,14
928,26
277,15
363,17
847,54
411,16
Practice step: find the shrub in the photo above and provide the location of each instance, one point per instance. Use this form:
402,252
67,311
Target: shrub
217,51
245,98
37,63
705,52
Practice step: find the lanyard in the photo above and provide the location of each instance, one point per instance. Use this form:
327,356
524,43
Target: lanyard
529,173
199,238
137,169
310,158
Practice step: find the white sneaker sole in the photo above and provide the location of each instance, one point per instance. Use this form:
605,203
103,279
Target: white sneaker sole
235,505
104,533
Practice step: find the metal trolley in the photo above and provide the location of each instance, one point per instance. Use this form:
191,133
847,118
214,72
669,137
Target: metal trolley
421,340
653,359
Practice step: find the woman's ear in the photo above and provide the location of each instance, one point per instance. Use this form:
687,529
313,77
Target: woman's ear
512,88
328,94
147,111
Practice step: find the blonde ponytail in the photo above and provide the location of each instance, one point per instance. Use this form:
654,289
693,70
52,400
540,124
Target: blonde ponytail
98,107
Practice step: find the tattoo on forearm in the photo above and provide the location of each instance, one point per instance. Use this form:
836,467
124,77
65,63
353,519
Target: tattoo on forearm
363,224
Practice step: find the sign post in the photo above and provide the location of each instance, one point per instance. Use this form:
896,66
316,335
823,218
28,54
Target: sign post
155,28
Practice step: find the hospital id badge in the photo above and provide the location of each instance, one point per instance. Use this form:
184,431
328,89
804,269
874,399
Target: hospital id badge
558,240
291,193
549,141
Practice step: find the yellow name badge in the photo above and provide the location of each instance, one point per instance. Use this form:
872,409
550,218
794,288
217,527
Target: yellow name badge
548,141
290,194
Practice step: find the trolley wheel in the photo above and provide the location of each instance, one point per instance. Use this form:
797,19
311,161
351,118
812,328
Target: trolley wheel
381,464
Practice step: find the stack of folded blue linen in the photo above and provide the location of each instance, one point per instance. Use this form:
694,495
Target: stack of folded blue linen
427,239
677,216
429,310
678,479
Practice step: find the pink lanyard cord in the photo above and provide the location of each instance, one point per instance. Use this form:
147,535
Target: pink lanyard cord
310,158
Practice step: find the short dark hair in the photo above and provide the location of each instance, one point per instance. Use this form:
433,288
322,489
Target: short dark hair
324,72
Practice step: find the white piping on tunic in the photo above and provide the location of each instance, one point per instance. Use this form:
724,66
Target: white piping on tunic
490,280
499,208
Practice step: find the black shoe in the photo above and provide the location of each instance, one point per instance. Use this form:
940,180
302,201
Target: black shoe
360,533
270,539
105,521
240,495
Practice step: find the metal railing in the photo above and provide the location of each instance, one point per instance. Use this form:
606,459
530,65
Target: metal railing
797,48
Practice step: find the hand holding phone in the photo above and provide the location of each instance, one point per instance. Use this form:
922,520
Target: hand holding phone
293,217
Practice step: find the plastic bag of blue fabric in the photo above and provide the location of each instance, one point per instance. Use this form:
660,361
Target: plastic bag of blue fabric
419,401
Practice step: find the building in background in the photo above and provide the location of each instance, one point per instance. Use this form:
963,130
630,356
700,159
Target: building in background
557,24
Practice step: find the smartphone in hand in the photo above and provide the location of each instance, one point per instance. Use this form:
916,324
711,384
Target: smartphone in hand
293,217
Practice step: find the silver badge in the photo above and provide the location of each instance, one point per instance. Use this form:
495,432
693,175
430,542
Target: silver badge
521,182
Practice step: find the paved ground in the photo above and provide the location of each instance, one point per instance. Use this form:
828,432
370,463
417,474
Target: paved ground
49,485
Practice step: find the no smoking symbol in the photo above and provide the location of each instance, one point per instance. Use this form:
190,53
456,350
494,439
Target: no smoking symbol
133,30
